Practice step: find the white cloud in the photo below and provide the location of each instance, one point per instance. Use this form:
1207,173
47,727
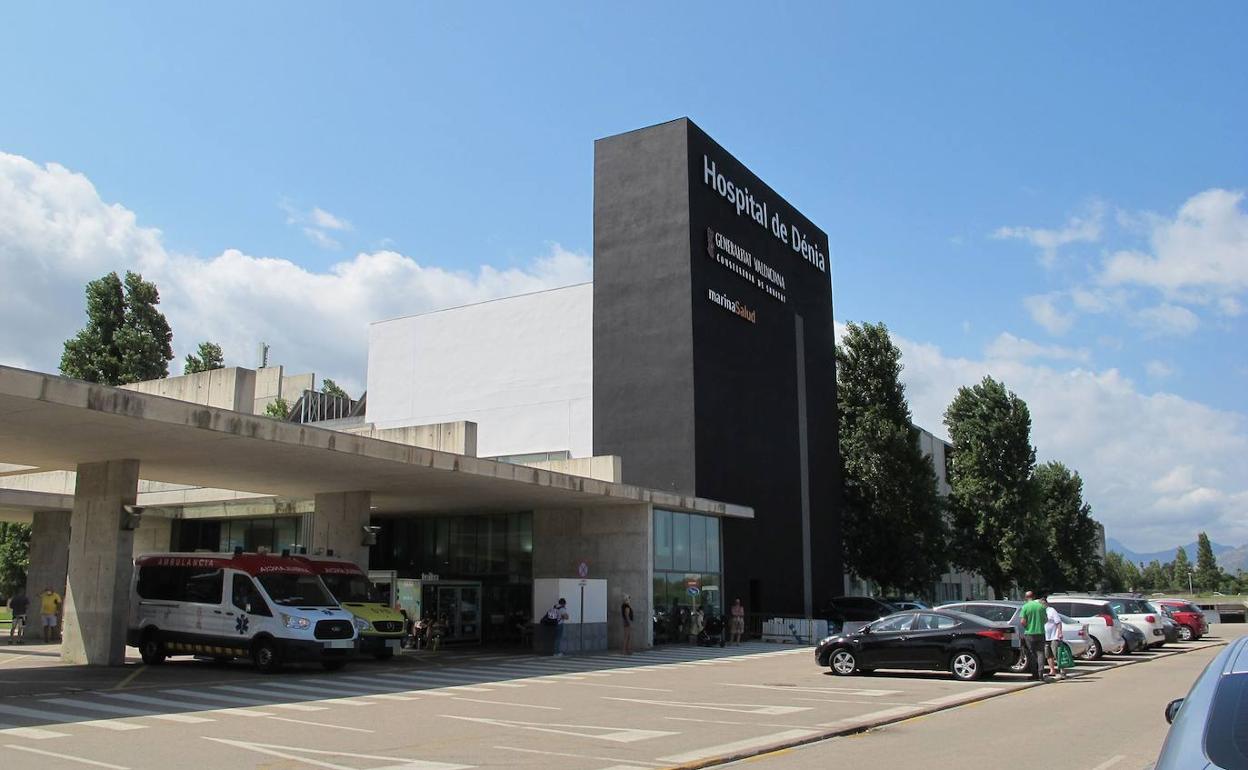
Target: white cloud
1199,256
56,234
1043,310
1126,444
316,224
1166,320
1007,346
1158,370
1078,229
322,218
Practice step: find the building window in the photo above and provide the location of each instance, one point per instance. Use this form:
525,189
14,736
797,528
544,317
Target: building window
687,558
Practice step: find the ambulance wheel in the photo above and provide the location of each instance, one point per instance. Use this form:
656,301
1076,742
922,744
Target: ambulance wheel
385,654
264,655
152,650
333,665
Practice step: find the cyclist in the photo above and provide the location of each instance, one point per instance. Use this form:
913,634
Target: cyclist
18,604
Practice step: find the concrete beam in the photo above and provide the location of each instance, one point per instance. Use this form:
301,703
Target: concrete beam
338,523
49,562
97,597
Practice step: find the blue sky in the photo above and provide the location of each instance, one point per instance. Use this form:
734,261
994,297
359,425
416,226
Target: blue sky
1003,184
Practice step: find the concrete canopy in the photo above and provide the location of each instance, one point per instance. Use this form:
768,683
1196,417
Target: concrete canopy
57,423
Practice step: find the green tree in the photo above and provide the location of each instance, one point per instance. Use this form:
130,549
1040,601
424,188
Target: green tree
207,357
1208,573
894,528
1115,572
126,338
330,388
14,556
279,408
1180,570
1155,577
995,530
1069,528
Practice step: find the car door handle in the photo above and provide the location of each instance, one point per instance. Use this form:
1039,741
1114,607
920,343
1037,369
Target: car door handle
216,612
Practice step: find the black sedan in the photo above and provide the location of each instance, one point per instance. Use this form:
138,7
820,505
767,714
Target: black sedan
940,640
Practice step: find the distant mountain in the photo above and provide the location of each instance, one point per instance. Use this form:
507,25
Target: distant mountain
1239,557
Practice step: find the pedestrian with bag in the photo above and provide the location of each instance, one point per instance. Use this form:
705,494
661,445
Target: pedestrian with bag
1053,639
555,618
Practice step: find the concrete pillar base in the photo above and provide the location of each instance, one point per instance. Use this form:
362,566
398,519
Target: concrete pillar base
49,562
97,596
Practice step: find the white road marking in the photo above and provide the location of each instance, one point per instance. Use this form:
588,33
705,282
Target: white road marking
899,711
321,724
963,696
639,762
728,722
299,755
1110,762
264,699
30,732
613,734
619,686
67,757
51,716
740,708
126,711
829,690
339,690
728,748
505,703
177,704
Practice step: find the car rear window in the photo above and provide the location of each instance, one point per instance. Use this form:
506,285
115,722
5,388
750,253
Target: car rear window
1085,609
1226,731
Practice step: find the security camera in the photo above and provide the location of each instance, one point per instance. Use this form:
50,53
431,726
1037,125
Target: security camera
370,535
131,516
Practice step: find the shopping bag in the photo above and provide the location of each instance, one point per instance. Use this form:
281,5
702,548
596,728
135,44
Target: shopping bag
1065,658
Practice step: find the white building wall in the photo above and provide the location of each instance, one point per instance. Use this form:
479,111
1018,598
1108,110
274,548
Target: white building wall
521,368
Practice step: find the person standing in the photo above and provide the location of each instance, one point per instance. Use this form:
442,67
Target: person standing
1033,617
561,616
736,624
1052,638
18,604
697,622
626,617
49,612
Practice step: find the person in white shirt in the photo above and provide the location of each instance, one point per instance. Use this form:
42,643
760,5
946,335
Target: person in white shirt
1052,638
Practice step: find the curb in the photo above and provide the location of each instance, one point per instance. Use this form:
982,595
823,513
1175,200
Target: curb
841,732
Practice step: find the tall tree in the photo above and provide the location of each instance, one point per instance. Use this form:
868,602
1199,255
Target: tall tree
126,338
894,528
1208,573
1180,569
1072,561
206,358
331,388
995,530
14,556
1115,572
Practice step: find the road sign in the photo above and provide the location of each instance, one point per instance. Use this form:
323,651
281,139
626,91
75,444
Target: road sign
693,590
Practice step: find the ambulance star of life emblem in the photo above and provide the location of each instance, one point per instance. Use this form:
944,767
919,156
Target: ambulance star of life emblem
241,623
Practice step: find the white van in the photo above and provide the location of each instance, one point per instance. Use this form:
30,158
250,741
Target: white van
272,609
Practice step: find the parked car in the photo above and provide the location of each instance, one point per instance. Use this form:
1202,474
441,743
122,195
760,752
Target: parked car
966,645
1140,614
856,608
1074,632
1192,623
1171,626
1104,627
1133,640
1206,727
903,604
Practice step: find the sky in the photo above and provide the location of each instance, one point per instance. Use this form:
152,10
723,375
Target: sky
1049,194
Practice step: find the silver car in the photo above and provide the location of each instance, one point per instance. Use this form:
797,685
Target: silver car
1207,727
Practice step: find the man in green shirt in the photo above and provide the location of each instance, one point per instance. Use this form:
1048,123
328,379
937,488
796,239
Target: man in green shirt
1032,616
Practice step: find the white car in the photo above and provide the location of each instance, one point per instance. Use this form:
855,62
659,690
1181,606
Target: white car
1143,616
1104,628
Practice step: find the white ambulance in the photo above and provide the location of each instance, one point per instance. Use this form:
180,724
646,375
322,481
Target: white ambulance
272,609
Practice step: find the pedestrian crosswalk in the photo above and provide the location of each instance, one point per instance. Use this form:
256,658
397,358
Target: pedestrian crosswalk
454,676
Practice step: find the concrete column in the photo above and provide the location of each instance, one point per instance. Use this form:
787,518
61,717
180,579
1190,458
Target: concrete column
338,523
49,562
97,596
616,540
154,535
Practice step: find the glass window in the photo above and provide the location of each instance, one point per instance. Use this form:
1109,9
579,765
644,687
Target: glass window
662,540
294,589
247,598
697,543
1226,739
287,534
894,623
204,587
712,544
680,541
933,622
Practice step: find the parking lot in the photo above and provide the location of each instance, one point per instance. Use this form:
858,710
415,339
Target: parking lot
672,706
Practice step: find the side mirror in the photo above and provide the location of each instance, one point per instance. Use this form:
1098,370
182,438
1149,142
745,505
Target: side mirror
1172,709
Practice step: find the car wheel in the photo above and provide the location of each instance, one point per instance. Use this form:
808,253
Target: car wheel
966,666
1186,633
264,655
843,662
1020,664
1094,651
151,649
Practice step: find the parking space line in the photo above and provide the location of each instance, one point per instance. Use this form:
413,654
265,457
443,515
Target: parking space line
969,695
505,703
321,724
67,757
264,697
125,710
618,686
638,762
52,716
740,708
34,733
1110,762
244,701
830,690
745,745
728,722
600,732
202,707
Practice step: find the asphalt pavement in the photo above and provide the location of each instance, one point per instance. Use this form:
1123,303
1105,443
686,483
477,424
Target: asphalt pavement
668,707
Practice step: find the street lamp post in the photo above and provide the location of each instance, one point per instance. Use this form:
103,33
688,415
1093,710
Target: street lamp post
1189,583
